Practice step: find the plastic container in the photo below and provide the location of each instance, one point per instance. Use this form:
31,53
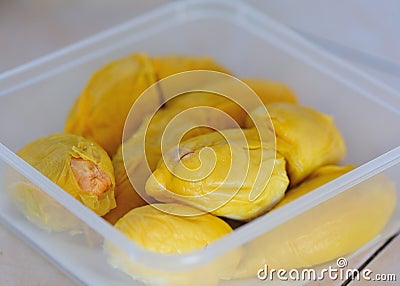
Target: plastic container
35,98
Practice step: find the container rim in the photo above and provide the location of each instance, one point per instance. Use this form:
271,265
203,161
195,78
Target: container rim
223,245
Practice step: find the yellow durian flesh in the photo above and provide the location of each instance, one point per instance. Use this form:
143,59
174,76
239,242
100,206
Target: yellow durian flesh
181,129
227,190
132,156
157,228
271,91
230,101
79,166
125,195
197,106
210,99
306,138
102,108
171,64
319,177
100,111
165,232
168,114
333,229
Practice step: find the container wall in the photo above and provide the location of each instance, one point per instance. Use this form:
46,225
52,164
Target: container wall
341,227
39,108
366,213
83,253
53,230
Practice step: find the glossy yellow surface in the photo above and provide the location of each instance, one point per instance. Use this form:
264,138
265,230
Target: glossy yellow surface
164,232
321,176
53,155
229,180
306,138
125,195
136,157
330,230
153,130
271,91
103,106
158,229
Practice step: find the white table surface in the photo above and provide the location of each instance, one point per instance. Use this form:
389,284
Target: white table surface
30,29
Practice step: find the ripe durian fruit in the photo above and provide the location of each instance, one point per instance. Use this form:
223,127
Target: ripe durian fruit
306,138
271,91
319,177
172,64
230,173
333,229
125,195
158,228
226,93
194,122
102,108
138,158
79,166
234,96
181,118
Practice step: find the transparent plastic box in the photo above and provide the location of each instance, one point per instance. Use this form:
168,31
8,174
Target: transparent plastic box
35,99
